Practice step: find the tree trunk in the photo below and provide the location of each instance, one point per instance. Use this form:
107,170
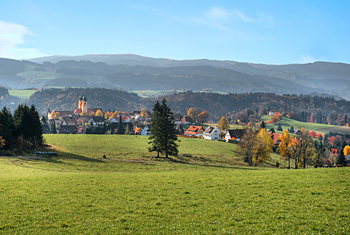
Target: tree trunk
289,163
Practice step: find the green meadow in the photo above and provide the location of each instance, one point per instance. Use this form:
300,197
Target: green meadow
22,94
286,123
205,190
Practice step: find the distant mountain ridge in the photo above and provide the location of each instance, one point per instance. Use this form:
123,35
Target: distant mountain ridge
127,71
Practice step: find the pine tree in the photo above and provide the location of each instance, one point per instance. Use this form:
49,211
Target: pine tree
262,125
127,131
163,133
120,126
279,128
7,128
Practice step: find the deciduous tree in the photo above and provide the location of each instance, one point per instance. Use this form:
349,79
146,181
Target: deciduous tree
286,146
262,147
203,117
223,124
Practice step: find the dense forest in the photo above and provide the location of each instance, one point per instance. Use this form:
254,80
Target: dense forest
300,107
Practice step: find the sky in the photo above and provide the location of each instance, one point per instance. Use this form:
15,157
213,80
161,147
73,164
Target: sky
268,32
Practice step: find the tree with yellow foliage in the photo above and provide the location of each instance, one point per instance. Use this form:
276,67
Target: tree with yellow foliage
92,114
144,113
193,113
223,124
203,117
107,115
2,142
262,147
99,113
84,113
286,146
55,115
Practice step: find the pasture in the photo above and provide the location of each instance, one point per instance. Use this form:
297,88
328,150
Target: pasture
22,94
286,123
132,192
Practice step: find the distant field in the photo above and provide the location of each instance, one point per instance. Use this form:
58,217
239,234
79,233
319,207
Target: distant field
286,123
22,94
135,148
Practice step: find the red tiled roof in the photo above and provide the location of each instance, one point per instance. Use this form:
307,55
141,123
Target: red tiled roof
193,130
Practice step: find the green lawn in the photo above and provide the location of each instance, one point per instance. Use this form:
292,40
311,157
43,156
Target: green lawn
131,192
286,123
22,94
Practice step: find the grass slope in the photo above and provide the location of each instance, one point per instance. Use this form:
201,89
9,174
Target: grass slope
22,94
182,199
286,123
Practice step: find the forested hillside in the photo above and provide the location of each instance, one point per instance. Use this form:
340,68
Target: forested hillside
216,104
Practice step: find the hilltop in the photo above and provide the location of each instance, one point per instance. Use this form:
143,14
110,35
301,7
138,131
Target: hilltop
143,73
216,104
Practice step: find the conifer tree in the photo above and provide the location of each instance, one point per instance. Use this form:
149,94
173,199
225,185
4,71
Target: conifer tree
279,128
163,133
120,126
262,125
127,131
6,128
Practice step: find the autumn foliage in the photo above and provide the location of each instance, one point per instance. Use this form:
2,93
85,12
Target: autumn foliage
277,117
346,150
313,134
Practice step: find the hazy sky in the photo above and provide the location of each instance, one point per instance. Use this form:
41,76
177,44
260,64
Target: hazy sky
273,32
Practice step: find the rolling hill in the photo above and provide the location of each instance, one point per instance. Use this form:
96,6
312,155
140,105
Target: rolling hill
143,73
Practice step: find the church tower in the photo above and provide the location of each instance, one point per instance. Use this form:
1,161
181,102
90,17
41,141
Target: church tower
84,105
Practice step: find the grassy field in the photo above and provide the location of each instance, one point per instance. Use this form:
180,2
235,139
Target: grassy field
22,94
286,123
131,192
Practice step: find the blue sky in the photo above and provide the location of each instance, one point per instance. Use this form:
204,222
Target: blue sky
272,32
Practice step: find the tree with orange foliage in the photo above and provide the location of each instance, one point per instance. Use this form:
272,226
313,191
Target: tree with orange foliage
313,134
55,115
346,150
277,117
319,135
84,113
250,124
144,114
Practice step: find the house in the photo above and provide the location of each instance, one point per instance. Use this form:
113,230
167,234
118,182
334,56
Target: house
143,130
271,113
212,133
195,131
235,134
179,129
276,138
177,118
187,120
68,121
335,152
67,129
96,121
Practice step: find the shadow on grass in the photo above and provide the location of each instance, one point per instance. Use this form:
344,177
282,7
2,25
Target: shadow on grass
218,165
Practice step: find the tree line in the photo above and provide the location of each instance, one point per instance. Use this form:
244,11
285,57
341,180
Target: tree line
22,130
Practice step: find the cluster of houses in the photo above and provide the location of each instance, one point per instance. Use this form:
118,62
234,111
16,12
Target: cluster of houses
84,117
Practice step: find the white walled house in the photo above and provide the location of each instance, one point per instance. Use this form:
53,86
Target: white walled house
212,133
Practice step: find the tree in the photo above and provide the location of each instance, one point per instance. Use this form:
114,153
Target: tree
303,148
203,117
285,146
341,156
346,150
7,128
291,130
223,124
144,114
120,126
83,113
99,113
247,145
279,128
127,131
193,113
262,125
262,147
163,133
313,134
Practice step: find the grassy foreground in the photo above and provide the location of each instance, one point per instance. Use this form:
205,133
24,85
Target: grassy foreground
82,193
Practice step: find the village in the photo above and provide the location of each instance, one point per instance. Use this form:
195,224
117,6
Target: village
86,120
